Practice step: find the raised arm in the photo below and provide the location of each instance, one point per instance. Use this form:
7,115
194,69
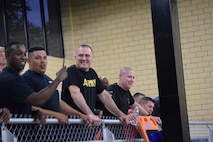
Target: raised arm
39,98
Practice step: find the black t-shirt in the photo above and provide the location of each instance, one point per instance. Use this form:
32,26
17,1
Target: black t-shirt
14,90
88,83
38,82
123,99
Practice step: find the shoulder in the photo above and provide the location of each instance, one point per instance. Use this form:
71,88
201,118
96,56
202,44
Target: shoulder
29,76
112,87
72,67
9,75
27,73
47,77
92,70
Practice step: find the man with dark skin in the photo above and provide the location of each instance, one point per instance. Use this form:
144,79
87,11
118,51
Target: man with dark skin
4,115
104,81
16,95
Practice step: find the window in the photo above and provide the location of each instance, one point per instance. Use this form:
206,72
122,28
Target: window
33,22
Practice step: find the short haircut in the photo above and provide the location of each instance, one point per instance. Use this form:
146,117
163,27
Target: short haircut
8,46
85,45
2,49
35,48
124,70
138,94
144,100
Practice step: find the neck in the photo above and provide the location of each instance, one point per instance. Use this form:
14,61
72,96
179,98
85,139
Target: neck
83,69
40,73
121,86
14,69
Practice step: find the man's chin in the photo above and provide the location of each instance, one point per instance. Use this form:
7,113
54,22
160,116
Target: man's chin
21,68
84,68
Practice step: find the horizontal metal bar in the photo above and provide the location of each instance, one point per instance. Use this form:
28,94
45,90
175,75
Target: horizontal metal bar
55,121
200,123
79,121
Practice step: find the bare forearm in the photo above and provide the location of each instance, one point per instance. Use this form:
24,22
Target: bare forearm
66,109
39,98
45,111
114,109
81,103
47,92
110,104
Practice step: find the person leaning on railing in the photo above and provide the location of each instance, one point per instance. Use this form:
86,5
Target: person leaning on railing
120,92
15,94
4,115
82,86
37,79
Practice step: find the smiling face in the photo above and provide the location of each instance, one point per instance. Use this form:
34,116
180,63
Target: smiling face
83,58
126,78
16,59
38,61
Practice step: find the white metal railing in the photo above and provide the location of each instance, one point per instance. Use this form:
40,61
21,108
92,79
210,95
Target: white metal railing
25,129
200,130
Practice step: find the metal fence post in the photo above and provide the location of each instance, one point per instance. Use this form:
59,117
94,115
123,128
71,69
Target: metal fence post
7,136
108,136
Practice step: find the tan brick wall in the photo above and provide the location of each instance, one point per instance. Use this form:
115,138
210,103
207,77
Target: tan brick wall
121,35
196,31
120,32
